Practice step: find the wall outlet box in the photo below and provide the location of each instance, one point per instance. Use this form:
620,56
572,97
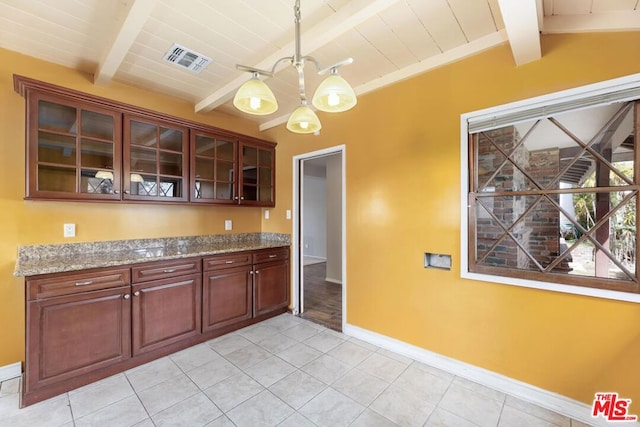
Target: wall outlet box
266,214
69,230
288,213
228,224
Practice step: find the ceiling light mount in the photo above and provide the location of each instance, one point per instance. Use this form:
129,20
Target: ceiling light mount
333,95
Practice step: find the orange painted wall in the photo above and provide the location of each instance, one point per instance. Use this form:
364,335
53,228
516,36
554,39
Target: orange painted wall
28,222
403,187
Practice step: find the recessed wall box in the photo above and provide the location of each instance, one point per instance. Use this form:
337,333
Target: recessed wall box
442,262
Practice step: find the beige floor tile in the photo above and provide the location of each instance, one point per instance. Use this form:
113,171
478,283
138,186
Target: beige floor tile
299,354
331,408
282,322
538,411
167,393
512,417
350,353
296,420
193,357
196,410
301,332
360,386
248,356
402,406
152,373
53,412
124,413
222,421
270,371
228,343
471,405
98,395
383,367
297,389
212,373
371,418
479,388
326,369
229,393
277,343
264,409
257,333
324,341
441,418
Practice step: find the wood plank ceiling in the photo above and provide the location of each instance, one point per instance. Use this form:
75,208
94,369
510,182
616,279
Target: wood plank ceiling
390,40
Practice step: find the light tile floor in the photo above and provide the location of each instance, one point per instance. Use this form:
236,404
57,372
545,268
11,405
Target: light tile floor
284,371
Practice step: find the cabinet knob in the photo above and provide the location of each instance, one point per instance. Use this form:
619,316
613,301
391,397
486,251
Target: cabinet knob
126,192
116,191
251,272
242,198
126,296
257,271
236,198
136,294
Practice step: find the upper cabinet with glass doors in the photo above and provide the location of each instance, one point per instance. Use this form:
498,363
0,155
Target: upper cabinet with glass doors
226,170
84,147
155,161
74,149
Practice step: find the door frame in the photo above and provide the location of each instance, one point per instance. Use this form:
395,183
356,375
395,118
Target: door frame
298,215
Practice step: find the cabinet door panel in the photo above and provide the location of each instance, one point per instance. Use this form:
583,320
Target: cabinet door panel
226,297
271,287
72,335
166,311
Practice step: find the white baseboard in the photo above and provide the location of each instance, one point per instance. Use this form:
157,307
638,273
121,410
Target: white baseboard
330,280
8,372
527,392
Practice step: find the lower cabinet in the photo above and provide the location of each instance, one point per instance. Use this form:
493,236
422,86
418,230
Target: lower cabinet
83,326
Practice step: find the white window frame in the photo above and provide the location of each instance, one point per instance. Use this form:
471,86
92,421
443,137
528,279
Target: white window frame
616,90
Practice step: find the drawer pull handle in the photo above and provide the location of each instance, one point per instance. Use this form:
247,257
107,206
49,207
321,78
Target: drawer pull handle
126,296
228,262
88,282
169,270
136,294
272,256
257,271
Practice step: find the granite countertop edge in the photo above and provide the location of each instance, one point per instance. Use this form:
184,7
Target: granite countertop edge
43,259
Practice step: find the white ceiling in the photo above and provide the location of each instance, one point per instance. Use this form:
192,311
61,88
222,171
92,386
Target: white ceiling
390,40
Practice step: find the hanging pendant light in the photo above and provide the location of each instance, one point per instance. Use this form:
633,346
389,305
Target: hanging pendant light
333,95
303,120
255,97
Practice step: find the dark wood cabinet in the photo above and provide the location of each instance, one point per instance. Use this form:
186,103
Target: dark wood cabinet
73,149
227,290
72,330
155,160
84,147
165,311
231,170
86,325
271,280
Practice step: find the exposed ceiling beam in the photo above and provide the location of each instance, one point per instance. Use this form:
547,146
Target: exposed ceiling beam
472,48
619,20
135,16
348,17
521,22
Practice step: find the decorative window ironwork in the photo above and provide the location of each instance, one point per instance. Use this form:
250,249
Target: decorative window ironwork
554,199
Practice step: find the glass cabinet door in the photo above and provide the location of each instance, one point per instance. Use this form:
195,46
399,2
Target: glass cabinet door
257,175
74,150
213,177
155,161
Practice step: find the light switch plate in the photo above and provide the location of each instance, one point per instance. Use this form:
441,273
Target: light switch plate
69,230
228,224
288,213
266,214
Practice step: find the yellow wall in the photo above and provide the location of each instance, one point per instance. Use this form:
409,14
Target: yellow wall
30,222
403,184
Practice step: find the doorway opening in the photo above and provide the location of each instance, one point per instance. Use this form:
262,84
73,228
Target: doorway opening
319,237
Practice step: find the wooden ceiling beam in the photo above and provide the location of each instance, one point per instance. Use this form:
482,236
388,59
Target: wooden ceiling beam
521,20
135,16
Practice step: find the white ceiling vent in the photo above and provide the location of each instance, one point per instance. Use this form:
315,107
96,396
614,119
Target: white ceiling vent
189,59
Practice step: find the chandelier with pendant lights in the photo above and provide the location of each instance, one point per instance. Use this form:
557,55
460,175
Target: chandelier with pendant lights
333,95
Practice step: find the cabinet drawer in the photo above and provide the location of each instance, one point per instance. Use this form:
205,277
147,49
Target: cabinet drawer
267,255
226,260
165,269
72,283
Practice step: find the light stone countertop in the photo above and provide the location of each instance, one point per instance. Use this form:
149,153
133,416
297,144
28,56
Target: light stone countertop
43,259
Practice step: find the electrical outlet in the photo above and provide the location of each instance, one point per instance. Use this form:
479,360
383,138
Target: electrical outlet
228,224
69,230
288,213
266,214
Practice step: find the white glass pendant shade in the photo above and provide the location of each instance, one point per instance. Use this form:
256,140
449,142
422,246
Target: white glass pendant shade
136,177
104,175
255,97
303,120
334,95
